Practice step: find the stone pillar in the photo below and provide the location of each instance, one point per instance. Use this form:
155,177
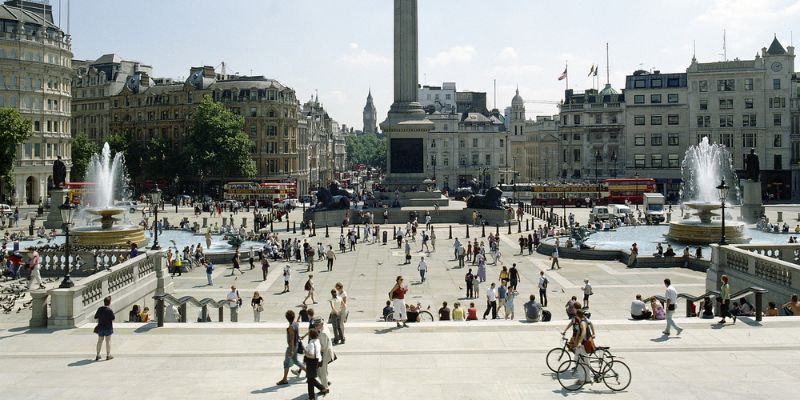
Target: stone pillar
54,216
752,208
205,222
38,309
780,216
244,222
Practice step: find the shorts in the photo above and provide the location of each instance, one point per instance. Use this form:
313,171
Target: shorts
399,306
289,360
105,332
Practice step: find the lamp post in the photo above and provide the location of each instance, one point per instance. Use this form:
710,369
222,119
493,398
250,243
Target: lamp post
155,200
597,158
67,213
636,191
435,185
723,195
614,159
564,209
514,177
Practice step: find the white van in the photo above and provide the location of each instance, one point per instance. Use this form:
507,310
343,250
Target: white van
599,212
619,210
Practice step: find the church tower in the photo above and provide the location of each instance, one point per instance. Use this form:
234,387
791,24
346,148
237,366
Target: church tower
517,123
370,116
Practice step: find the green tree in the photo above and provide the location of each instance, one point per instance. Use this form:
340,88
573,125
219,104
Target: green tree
217,144
133,150
13,130
82,151
367,149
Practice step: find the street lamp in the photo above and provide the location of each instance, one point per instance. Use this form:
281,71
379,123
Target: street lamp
435,185
723,195
564,209
155,200
597,158
67,213
614,159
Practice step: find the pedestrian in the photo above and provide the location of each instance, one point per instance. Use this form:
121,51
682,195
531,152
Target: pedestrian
513,276
725,300
341,243
313,358
105,328
235,261
252,258
456,246
209,271
234,301
502,295
178,264
264,268
258,306
287,274
345,309
509,311
543,288
292,347
491,302
327,351
330,255
335,316
309,288
35,266
579,337
634,255
587,291
672,300
468,282
397,296
425,241
481,267
554,258
310,259
408,252
433,239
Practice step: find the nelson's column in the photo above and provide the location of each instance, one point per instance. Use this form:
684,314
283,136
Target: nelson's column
406,127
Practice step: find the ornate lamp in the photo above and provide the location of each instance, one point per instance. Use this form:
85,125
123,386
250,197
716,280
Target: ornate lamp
723,195
155,200
67,214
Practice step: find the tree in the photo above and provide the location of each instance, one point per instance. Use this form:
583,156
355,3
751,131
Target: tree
217,144
367,149
82,151
13,130
133,151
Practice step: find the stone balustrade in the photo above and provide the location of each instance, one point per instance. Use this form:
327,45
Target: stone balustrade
127,283
82,263
774,267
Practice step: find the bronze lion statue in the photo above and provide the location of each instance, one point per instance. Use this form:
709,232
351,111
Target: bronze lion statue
488,201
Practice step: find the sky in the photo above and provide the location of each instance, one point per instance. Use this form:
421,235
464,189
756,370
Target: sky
342,48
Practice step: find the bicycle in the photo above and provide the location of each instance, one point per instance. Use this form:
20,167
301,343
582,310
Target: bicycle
616,375
557,355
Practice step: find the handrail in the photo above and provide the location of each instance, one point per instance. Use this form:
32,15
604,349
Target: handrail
759,292
182,303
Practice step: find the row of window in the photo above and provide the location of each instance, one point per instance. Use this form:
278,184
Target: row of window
657,161
729,85
656,139
656,83
672,119
728,104
726,120
598,119
47,151
749,139
672,98
462,143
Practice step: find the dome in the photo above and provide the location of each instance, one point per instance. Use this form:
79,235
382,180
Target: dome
608,90
517,100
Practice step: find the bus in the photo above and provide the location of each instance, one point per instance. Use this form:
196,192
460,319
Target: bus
622,190
517,191
252,191
574,194
78,192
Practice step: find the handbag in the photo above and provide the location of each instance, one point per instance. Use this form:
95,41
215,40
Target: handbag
259,308
96,328
589,346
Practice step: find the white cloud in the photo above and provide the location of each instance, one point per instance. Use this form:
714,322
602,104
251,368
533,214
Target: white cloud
453,55
360,57
508,53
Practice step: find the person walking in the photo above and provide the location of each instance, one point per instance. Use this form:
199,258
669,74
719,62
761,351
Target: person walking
258,306
345,310
105,328
326,346
397,295
235,260
209,271
408,252
491,302
509,311
309,288
461,254
433,239
502,294
35,266
234,301
287,275
543,288
422,267
456,246
513,276
292,347
468,282
672,301
330,255
579,337
587,292
313,358
725,300
481,267
554,257
335,316
264,268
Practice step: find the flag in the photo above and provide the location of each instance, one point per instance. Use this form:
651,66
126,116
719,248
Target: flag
592,70
595,70
563,75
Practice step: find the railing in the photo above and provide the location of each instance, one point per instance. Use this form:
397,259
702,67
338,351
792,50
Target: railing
126,283
82,263
713,294
183,303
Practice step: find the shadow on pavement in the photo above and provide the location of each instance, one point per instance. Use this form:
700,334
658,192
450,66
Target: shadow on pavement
81,363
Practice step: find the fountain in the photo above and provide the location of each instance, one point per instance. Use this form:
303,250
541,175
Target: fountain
703,168
109,180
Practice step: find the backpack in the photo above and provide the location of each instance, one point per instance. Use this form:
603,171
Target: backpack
308,285
546,316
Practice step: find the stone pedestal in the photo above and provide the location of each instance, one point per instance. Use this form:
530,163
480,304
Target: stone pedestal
54,216
752,207
205,222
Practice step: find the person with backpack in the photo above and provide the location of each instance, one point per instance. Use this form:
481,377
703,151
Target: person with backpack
309,287
468,281
425,241
543,288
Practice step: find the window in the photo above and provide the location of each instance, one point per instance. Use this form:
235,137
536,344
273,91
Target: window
777,102
446,161
672,98
638,160
748,103
673,82
576,136
655,98
576,154
726,139
673,119
655,120
598,119
639,83
638,99
474,142
777,140
704,104
461,143
776,84
433,143
776,120
726,85
639,140
576,119
700,137
725,104
748,84
272,131
655,160
673,139
488,159
638,119
726,121
673,161
777,161
748,140
655,139
447,96
749,120
703,86
703,121
655,83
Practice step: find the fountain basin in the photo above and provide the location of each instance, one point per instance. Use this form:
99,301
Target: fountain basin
116,236
697,232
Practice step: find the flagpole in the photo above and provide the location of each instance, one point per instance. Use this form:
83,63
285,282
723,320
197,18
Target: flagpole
608,80
566,72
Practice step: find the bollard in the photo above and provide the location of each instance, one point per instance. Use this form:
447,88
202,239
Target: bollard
759,305
385,234
358,233
326,231
224,221
271,226
204,313
294,227
467,231
205,222
450,232
220,317
314,230
689,304
234,314
302,228
519,226
509,227
483,229
159,309
394,231
287,224
526,224
244,222
780,216
497,229
341,229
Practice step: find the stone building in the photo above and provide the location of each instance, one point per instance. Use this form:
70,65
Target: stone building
35,78
370,116
534,144
438,98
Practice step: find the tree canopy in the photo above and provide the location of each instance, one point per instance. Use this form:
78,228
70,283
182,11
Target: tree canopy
82,151
367,149
13,130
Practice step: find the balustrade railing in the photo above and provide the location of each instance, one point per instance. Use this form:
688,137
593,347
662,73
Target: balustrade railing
774,267
82,263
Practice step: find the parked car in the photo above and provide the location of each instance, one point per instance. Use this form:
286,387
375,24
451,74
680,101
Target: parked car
599,212
5,209
132,206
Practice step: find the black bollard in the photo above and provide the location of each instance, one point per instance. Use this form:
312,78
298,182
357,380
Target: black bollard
526,225
467,231
271,226
509,227
159,310
326,231
497,229
294,227
519,226
287,224
450,230
302,228
314,230
483,229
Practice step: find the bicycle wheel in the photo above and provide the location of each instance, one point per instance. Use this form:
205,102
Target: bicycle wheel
425,316
616,375
568,376
556,356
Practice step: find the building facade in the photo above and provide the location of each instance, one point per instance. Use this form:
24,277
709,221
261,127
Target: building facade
438,98
534,144
370,116
35,79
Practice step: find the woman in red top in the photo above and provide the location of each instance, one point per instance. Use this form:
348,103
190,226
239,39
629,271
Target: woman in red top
472,312
398,295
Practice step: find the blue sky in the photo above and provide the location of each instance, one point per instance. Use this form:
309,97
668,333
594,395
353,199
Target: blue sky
343,47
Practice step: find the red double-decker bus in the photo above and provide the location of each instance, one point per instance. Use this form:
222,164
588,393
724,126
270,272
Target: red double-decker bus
621,190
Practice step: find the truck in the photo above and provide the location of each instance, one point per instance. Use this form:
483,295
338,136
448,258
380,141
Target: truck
619,210
654,207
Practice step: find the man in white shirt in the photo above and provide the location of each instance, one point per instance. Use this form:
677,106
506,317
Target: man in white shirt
336,315
491,302
672,301
639,310
423,268
326,349
233,303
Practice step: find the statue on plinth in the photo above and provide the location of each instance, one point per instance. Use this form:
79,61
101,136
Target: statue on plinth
59,173
752,171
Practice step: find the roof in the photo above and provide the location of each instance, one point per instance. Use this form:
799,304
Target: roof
18,14
517,99
108,59
776,48
608,90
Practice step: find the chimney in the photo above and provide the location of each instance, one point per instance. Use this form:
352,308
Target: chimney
208,72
